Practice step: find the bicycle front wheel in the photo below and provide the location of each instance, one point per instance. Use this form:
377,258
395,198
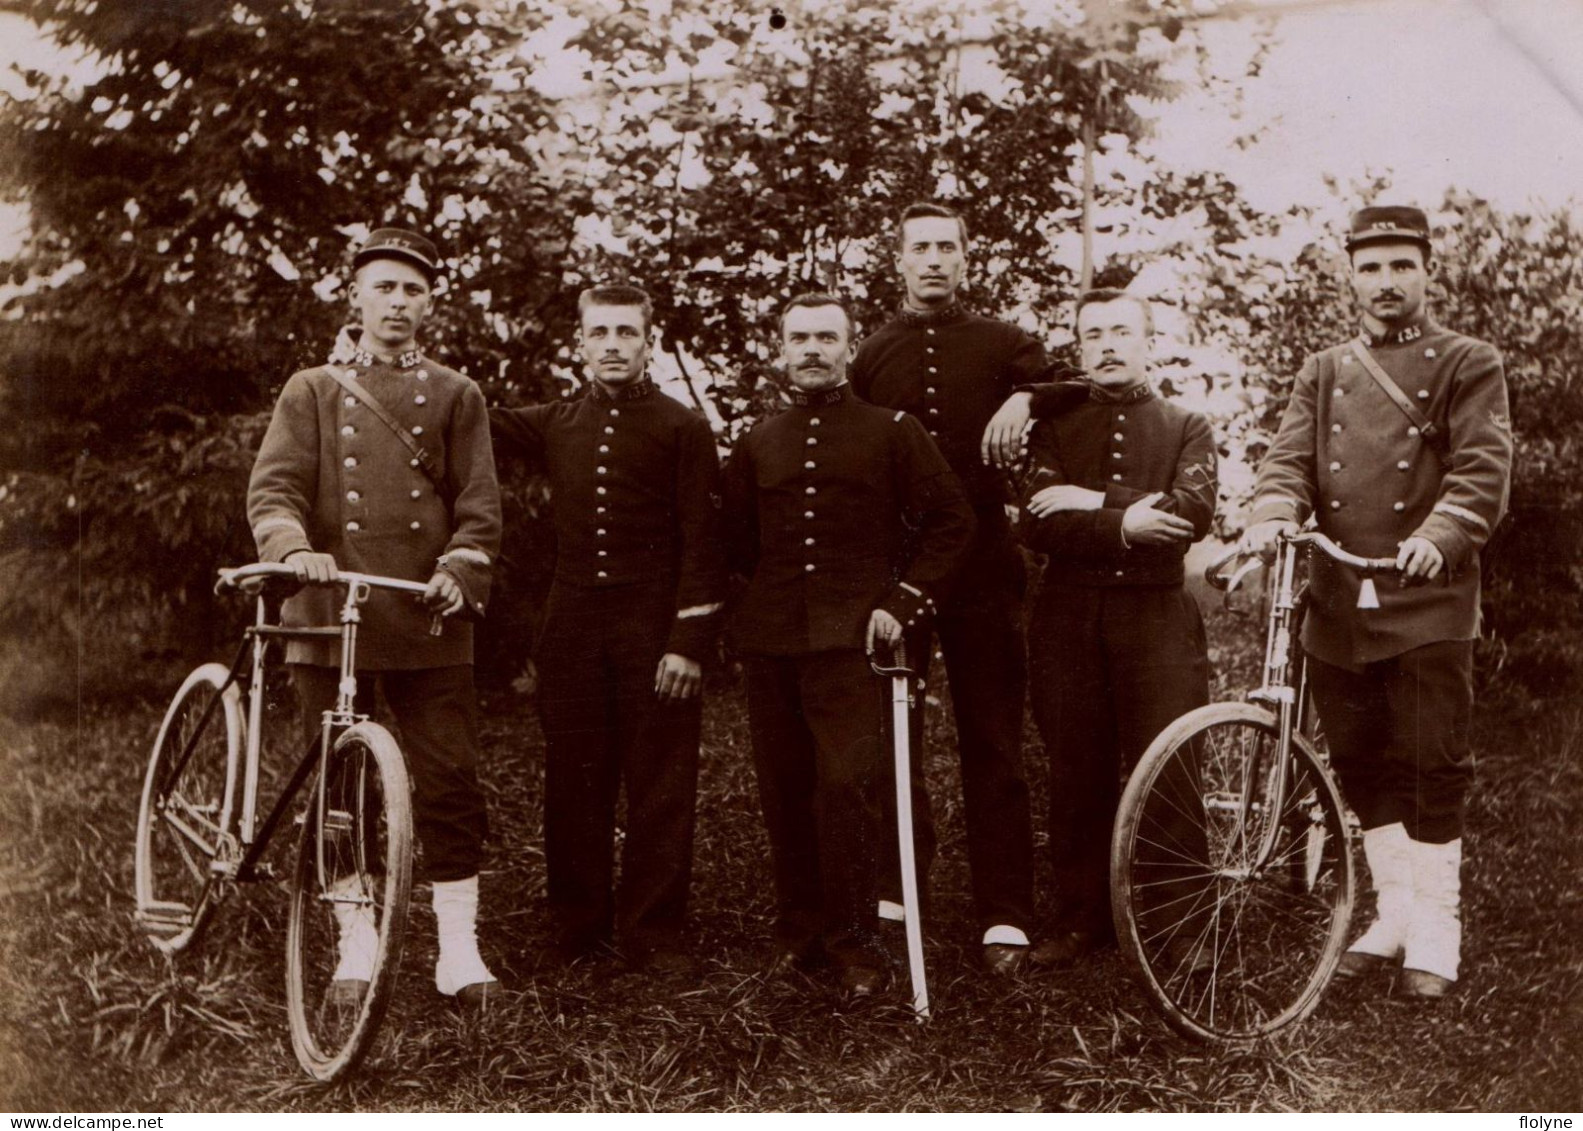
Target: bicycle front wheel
185,819
349,904
1233,932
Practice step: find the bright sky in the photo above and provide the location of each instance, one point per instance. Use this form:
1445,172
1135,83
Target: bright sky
1482,95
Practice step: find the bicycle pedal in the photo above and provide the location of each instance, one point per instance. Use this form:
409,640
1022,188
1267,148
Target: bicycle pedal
165,915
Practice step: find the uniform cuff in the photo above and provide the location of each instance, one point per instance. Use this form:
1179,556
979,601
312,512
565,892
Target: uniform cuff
910,606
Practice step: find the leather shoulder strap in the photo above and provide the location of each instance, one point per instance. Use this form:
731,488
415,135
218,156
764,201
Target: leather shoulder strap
425,461
1426,427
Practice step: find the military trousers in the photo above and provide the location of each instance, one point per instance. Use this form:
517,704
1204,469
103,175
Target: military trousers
1110,667
437,719
1398,736
816,722
598,654
979,628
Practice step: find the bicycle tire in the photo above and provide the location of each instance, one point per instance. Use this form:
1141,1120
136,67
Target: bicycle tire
185,816
365,828
1227,952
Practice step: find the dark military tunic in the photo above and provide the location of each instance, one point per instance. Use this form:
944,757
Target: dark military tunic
331,477
639,572
951,370
1394,685
1116,646
819,502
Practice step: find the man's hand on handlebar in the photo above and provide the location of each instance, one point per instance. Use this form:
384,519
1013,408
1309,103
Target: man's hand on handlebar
1419,560
443,595
311,568
1260,538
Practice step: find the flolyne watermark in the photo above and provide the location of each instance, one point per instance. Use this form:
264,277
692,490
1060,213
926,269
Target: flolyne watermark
1545,1122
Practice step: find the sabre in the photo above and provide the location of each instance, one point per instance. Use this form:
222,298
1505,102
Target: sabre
901,677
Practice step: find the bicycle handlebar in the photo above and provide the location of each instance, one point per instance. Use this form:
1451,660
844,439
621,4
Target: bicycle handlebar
235,578
1365,566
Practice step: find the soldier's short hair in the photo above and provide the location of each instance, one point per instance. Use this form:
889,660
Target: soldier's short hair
927,208
817,298
1113,294
618,294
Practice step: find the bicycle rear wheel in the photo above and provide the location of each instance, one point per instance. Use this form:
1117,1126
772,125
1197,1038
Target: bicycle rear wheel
1227,947
349,902
185,818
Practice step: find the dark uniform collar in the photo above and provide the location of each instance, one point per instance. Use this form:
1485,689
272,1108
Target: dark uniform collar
952,311
1399,335
819,397
348,350
1132,394
636,391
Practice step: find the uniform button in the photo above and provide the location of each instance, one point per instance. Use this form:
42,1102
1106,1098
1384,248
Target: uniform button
352,496
1117,477
811,491
413,462
615,412
609,431
600,510
602,573
604,449
1334,466
934,412
1120,572
813,422
1423,394
932,432
1338,392
1121,416
807,541
420,399
1335,428
807,514
600,532
1402,465
416,525
350,402
350,461
600,491
601,470
422,376
417,429
1115,455
353,527
348,430
1411,431
1430,352
930,390
810,465
808,568
416,493
811,441
1398,507
604,553
1119,436
1335,504
929,330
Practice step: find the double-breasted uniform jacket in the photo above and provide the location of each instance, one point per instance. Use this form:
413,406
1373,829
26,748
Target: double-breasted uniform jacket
332,478
951,369
1348,455
635,484
1128,446
819,500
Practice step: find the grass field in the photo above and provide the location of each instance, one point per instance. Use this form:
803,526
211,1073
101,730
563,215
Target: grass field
92,1018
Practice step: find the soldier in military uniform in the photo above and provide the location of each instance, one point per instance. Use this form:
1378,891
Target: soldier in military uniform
633,613
336,486
849,525
958,374
1397,443
1120,486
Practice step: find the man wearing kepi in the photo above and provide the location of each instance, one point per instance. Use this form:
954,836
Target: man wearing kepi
956,373
1399,444
849,525
632,615
1121,485
379,462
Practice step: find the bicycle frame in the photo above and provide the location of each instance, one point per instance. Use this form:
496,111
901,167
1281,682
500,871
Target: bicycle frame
240,857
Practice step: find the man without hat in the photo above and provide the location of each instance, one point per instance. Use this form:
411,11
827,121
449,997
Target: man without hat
1398,444
849,525
632,615
336,487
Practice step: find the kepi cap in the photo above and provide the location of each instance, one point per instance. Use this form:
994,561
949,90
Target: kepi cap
1388,222
398,243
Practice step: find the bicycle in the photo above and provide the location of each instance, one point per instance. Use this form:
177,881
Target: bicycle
1231,861
197,841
